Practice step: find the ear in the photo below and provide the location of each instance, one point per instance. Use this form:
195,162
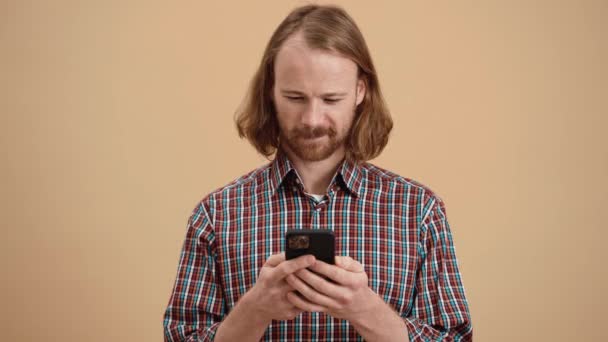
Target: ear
361,89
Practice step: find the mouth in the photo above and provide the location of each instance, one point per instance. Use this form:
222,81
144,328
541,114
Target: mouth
312,138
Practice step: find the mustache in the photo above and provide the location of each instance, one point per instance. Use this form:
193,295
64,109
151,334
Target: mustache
313,132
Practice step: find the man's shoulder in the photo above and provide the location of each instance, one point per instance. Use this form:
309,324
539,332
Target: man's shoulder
250,181
377,176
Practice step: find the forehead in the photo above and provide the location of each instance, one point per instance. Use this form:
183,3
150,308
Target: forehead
312,70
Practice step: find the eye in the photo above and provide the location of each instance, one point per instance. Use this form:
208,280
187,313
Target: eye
294,98
332,100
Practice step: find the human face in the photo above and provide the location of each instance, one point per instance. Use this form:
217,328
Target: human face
315,95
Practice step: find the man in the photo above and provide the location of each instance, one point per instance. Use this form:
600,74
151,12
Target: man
316,102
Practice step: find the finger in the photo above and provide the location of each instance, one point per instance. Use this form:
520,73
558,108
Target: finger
289,266
275,259
349,264
309,293
333,272
320,284
304,305
293,313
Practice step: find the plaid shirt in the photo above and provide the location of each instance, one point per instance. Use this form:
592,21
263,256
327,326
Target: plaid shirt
394,226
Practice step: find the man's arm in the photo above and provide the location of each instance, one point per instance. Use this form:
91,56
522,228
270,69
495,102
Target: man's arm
196,305
440,310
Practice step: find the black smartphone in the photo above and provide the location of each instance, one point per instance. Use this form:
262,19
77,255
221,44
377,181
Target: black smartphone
318,242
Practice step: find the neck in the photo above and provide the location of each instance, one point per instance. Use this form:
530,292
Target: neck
316,175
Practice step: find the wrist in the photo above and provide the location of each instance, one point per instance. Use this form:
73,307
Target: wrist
250,306
375,308
243,323
380,322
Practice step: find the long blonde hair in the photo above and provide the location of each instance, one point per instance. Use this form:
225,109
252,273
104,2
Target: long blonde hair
328,28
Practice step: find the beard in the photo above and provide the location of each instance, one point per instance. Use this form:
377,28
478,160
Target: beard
313,144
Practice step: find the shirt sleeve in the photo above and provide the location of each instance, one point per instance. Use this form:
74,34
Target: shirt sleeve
440,311
196,305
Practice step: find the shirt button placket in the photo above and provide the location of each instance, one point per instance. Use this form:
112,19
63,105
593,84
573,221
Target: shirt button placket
318,208
315,214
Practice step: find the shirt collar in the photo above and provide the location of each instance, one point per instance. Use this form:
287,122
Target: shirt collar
351,176
279,168
349,173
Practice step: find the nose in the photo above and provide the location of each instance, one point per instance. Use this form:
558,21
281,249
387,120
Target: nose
312,113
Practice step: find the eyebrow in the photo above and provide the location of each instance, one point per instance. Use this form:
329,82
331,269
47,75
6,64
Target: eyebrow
289,91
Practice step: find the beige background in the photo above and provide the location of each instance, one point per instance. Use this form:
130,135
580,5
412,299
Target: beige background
116,118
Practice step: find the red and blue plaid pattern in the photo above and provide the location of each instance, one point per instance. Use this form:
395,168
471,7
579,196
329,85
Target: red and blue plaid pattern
397,228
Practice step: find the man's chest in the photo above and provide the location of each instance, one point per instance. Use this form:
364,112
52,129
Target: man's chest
381,236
